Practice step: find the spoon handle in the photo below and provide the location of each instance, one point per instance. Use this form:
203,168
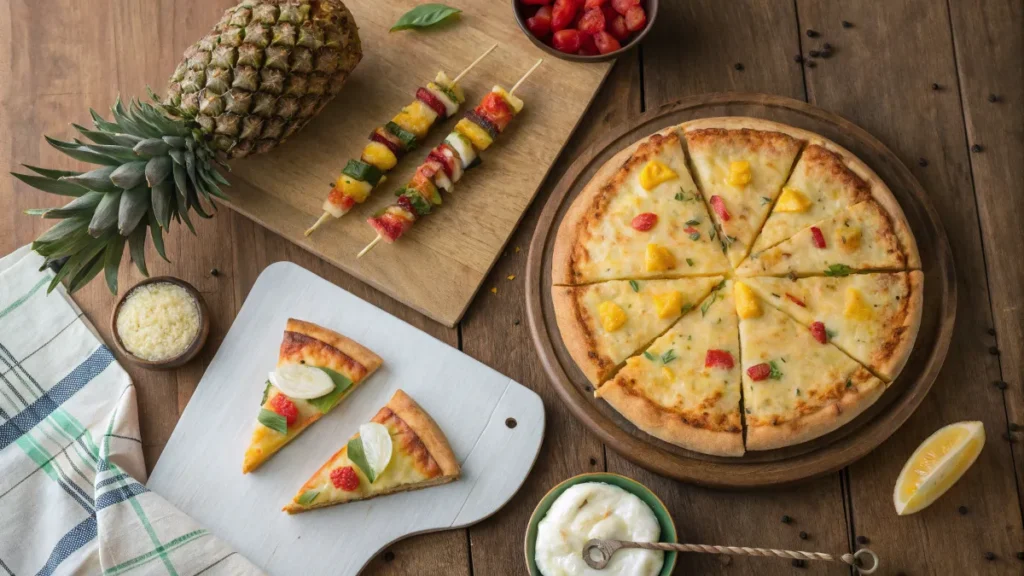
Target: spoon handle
854,559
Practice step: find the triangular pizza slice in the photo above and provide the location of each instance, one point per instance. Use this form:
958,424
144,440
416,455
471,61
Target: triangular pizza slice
685,388
400,449
860,238
872,317
316,369
603,324
820,186
740,172
638,218
796,387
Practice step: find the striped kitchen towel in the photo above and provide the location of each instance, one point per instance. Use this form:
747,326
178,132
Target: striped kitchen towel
72,492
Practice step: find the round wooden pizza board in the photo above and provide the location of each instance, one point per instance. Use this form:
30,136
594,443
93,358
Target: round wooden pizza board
776,467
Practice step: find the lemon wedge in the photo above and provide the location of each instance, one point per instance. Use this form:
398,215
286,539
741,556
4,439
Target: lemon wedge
936,465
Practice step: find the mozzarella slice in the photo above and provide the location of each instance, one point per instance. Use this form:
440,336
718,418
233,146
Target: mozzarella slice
466,152
301,381
377,446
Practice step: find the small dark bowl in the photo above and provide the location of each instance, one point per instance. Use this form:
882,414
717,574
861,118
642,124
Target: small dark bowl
650,6
193,348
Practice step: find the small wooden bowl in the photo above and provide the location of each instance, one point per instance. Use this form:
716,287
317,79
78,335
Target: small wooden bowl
650,6
668,526
193,348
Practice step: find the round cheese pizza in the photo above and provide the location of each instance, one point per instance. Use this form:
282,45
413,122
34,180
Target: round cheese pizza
735,284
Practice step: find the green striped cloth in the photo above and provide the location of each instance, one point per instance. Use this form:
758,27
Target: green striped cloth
72,492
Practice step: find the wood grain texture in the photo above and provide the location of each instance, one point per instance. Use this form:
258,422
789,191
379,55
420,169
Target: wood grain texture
893,54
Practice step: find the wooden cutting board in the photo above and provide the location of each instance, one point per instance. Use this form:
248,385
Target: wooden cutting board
440,264
494,425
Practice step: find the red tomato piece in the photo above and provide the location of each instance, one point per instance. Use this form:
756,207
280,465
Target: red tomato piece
691,230
284,406
345,478
391,226
819,332
718,359
540,23
341,200
795,300
495,109
759,372
818,237
567,41
623,6
636,19
587,46
644,222
606,43
594,4
592,21
537,2
718,205
437,156
562,15
617,27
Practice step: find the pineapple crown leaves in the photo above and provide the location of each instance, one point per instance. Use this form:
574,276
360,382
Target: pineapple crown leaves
153,166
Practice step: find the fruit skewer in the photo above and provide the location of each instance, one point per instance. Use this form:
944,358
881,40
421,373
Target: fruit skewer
439,99
446,163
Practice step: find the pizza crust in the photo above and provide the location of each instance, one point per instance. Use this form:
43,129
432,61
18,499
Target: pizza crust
899,348
347,346
672,427
572,323
428,432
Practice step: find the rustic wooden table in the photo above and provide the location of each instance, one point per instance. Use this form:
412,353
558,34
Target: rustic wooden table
940,82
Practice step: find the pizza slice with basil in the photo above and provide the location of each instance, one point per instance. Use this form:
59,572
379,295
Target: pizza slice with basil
400,449
641,216
860,238
603,324
685,387
821,185
740,165
872,317
796,386
316,369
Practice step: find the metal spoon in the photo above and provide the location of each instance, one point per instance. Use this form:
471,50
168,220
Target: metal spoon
598,553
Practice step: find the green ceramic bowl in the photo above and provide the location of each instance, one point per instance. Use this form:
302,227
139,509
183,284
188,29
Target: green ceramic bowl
668,527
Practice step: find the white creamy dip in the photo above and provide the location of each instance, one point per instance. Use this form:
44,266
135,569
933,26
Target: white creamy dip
597,510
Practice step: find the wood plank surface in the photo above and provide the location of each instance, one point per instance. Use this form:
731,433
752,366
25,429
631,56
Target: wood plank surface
879,77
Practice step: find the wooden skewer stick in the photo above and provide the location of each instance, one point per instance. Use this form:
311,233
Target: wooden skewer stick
474,63
369,246
525,76
323,217
516,85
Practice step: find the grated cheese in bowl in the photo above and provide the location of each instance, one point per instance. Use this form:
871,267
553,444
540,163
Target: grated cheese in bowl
158,321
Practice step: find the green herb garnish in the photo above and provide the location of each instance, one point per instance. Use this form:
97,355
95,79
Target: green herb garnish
266,393
273,420
358,456
692,222
765,200
633,284
695,236
831,334
687,307
424,16
689,261
707,304
775,373
849,383
327,401
838,270
649,356
668,356
307,497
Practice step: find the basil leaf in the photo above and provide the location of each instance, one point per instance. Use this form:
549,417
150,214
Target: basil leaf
307,497
273,420
330,400
266,393
774,372
356,455
838,270
424,16
634,285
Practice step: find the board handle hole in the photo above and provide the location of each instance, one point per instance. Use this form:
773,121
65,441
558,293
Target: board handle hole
510,422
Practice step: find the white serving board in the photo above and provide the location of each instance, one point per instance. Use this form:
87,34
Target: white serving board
200,468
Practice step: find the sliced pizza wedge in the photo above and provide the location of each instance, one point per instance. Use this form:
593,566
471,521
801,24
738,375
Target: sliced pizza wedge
316,369
640,217
872,317
685,388
740,172
860,238
821,185
400,449
795,386
603,324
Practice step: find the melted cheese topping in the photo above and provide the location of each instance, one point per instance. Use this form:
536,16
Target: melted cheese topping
616,251
799,254
641,323
857,310
158,321
807,368
683,383
748,204
597,510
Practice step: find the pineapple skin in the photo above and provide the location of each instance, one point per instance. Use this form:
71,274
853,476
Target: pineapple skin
265,70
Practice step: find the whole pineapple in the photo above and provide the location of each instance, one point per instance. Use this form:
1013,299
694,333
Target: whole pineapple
262,73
